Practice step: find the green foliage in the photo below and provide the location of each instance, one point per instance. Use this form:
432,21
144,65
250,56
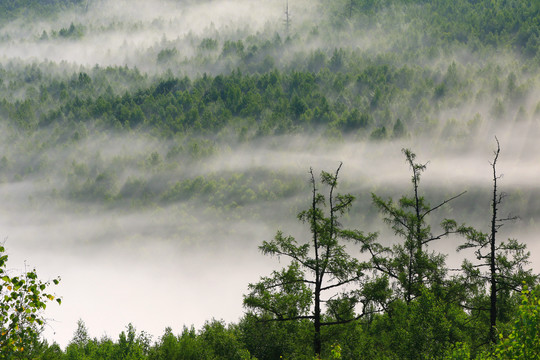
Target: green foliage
408,263
12,9
166,55
267,340
214,342
523,342
370,97
378,134
421,329
399,129
335,353
22,301
317,266
491,23
73,32
523,339
208,44
285,293
129,345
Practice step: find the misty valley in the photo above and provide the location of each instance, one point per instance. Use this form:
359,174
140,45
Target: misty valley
238,179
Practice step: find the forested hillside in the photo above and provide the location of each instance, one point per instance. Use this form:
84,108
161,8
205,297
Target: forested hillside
150,151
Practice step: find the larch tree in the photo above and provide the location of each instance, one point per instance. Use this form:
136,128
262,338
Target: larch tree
318,267
410,264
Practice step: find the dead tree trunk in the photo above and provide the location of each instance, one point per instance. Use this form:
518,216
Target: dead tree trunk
287,20
492,239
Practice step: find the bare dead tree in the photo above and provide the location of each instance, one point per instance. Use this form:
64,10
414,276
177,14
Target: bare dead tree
495,225
504,260
287,20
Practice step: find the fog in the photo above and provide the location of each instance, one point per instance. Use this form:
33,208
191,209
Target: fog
133,32
174,261
182,264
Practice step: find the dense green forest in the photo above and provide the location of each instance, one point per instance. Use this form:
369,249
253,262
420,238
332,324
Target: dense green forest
128,128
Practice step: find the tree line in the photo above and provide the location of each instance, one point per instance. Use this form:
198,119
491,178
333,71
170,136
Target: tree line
360,99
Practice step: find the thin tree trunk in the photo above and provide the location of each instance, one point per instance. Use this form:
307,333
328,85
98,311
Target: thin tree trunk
318,273
317,321
493,279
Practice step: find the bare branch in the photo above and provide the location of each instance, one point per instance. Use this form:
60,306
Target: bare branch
442,204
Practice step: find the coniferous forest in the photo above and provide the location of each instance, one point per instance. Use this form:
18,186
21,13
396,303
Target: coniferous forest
236,179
